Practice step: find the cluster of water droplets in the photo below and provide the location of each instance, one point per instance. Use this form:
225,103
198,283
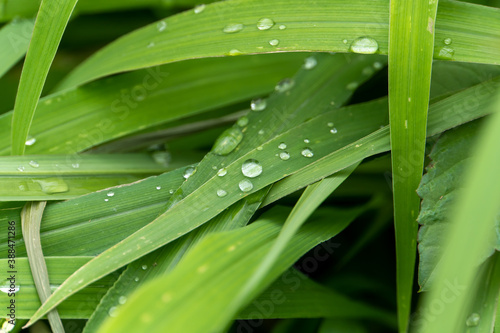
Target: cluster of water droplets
447,51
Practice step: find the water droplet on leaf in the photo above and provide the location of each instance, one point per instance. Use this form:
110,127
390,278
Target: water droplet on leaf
284,85
30,142
265,24
227,141
310,63
258,104
473,320
222,172
284,155
307,152
243,121
221,193
274,42
245,185
282,145
233,28
199,8
52,185
122,299
364,45
188,172
34,164
161,26
447,41
333,131
110,194
251,168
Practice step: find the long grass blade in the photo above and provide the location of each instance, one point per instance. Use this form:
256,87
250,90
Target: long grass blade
351,26
31,219
14,38
467,242
50,23
411,46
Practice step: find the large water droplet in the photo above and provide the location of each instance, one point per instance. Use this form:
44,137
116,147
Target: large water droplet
30,142
284,85
245,185
8,287
221,193
227,141
364,45
161,26
274,42
122,300
34,164
265,24
112,311
243,121
310,63
233,28
446,52
473,320
284,155
307,152
258,104
282,145
110,193
222,172
199,8
188,172
251,168
52,185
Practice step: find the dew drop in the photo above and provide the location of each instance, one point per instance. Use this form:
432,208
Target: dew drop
136,279
282,27
233,28
110,194
282,145
284,85
261,132
199,8
245,185
158,187
222,172
171,191
188,172
30,142
307,152
306,141
377,65
234,52
34,164
265,24
310,63
284,155
259,148
150,45
112,311
161,26
364,45
144,267
344,41
446,52
106,200
473,320
221,193
227,141
352,86
7,287
52,185
22,187
447,41
333,131
243,121
251,168
274,42
75,165
122,300
258,104
330,124
367,71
